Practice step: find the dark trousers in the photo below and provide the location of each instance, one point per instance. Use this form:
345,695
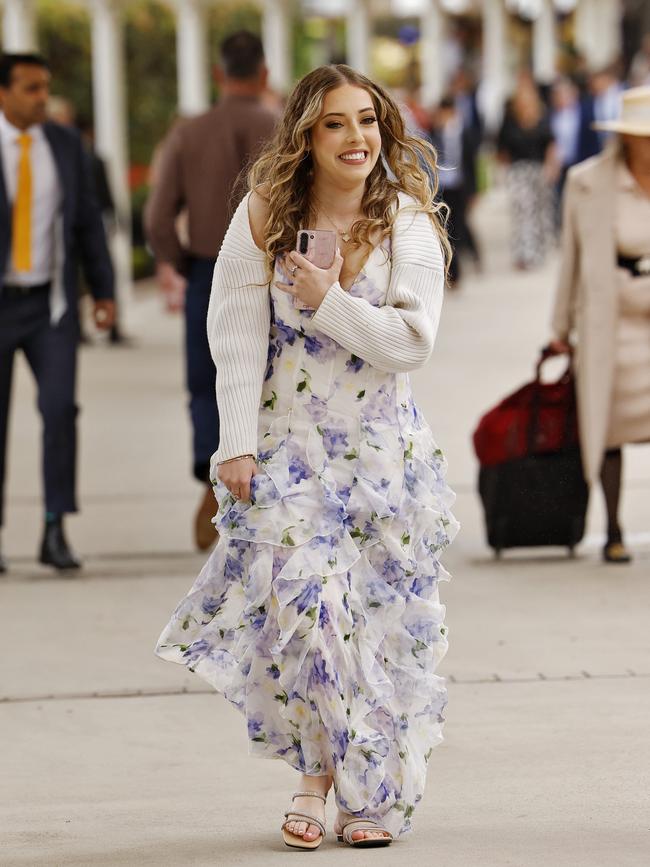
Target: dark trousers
459,232
200,369
51,352
559,195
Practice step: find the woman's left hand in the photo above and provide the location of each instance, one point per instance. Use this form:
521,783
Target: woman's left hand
309,284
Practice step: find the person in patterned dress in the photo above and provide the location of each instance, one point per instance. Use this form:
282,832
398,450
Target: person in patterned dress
317,614
525,145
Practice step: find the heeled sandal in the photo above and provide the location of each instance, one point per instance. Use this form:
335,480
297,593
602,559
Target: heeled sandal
299,842
347,829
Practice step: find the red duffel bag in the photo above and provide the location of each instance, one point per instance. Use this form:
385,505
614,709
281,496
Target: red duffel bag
538,418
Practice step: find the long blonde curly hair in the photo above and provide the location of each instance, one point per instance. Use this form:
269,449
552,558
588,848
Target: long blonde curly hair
284,169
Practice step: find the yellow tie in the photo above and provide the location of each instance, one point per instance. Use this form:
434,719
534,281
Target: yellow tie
21,246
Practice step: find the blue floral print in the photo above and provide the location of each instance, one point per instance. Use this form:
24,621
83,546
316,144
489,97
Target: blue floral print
320,347
335,440
317,613
354,364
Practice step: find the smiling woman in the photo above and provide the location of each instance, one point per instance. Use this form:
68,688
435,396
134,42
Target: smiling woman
337,123
318,613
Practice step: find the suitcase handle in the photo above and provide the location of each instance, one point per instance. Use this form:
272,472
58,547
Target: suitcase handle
533,426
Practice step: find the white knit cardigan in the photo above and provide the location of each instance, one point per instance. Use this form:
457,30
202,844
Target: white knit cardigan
396,337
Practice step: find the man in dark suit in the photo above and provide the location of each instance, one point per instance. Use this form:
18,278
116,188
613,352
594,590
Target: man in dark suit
601,103
49,220
456,146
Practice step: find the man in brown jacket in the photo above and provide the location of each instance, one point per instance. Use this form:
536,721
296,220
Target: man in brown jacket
200,162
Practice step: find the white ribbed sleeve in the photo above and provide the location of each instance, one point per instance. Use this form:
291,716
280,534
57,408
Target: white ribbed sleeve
400,335
396,337
238,332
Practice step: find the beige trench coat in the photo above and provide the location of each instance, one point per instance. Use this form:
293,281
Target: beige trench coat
586,303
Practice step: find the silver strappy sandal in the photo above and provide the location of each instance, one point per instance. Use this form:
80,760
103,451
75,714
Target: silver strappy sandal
347,829
294,840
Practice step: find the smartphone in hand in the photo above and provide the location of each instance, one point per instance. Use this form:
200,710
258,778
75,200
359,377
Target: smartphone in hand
319,246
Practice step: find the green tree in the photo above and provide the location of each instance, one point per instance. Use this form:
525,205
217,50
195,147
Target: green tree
150,52
150,46
63,33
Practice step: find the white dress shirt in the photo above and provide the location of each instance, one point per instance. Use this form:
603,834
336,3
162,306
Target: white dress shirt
46,201
565,123
451,158
607,106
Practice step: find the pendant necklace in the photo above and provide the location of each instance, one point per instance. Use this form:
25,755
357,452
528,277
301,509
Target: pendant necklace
345,236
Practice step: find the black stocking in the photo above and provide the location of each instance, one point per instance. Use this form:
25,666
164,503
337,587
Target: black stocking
610,477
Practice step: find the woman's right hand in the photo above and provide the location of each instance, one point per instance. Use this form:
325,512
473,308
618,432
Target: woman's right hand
237,475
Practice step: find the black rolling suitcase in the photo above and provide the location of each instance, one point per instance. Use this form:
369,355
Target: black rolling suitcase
531,481
536,500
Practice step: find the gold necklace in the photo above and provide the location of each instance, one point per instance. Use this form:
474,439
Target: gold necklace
345,236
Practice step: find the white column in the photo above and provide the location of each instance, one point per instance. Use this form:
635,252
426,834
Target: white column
192,57
585,28
277,44
544,44
19,26
431,53
493,87
357,36
111,134
598,31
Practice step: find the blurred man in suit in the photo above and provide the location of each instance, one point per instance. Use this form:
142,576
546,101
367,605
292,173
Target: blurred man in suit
456,147
601,104
49,221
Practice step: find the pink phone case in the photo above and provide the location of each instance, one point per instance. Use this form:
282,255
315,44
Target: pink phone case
319,248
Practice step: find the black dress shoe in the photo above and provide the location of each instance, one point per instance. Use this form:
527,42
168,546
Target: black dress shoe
54,550
3,564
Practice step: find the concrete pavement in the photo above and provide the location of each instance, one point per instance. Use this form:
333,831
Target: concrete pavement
111,757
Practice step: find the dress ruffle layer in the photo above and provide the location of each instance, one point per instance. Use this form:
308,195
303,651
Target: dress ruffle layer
318,614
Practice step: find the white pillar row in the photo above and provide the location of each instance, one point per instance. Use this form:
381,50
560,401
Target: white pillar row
493,87
432,25
598,31
277,44
192,57
111,140
357,36
19,26
544,44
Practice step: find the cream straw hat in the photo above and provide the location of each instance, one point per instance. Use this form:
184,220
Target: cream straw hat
635,113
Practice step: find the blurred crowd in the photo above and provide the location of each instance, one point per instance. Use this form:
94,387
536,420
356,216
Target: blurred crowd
545,130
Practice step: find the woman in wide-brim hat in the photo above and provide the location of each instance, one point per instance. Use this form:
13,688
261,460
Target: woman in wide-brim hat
603,300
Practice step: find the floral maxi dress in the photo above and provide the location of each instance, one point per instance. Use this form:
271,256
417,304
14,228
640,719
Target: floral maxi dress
317,613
